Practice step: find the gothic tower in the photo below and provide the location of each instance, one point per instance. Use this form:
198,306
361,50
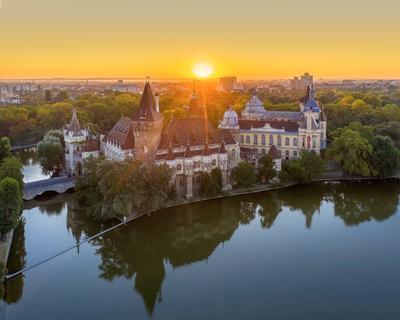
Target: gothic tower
147,122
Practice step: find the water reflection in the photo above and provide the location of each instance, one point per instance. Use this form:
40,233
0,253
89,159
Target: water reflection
188,234
16,261
31,166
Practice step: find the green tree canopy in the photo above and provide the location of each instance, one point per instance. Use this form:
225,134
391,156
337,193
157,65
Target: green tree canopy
353,153
211,184
244,175
266,170
12,168
51,155
115,189
385,157
309,167
10,205
5,148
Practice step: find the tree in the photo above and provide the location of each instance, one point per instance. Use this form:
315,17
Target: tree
353,153
244,175
57,134
61,97
385,157
114,189
10,205
312,163
309,167
51,155
5,148
266,170
211,184
390,129
293,171
12,168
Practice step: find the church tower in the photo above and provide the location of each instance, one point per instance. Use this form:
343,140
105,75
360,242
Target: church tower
147,123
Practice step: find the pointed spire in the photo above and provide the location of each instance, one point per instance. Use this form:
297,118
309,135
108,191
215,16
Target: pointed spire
222,148
147,107
206,150
311,92
188,152
306,98
170,155
74,125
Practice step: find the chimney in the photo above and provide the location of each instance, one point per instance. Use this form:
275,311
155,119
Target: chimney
157,102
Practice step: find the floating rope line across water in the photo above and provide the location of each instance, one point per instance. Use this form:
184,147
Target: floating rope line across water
22,271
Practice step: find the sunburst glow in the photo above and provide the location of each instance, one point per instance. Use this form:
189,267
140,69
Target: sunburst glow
203,70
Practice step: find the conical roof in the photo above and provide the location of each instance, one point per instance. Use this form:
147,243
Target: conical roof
170,155
222,148
206,150
74,125
188,152
274,153
147,107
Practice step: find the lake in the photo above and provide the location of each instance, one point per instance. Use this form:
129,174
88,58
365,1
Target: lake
31,168
323,251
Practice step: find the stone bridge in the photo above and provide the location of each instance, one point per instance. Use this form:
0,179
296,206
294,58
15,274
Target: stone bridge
59,185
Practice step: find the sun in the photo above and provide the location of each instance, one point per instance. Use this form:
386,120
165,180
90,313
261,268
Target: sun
203,70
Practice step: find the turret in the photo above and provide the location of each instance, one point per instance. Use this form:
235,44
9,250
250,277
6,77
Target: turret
147,122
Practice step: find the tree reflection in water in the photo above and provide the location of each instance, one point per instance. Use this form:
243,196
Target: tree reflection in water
191,233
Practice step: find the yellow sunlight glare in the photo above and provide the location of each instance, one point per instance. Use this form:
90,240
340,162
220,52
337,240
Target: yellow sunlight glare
202,70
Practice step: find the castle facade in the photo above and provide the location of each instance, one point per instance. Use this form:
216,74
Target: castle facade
191,146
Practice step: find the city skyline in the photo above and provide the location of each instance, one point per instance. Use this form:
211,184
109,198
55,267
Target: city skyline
253,40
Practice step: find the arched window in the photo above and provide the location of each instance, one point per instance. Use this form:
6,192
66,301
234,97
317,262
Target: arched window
248,139
242,139
287,141
263,140
279,141
295,154
295,142
271,139
255,139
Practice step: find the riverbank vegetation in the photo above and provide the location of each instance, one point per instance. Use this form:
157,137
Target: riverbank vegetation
51,152
11,189
114,189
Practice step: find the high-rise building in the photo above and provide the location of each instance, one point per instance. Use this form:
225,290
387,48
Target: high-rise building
229,84
302,82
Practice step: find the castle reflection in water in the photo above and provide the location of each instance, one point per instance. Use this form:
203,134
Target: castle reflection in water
189,234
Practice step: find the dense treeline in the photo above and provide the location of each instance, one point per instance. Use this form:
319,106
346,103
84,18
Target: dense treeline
115,189
11,188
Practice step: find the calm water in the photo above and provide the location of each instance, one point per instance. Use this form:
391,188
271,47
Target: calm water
315,252
31,167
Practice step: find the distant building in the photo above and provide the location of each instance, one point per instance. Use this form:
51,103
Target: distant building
126,87
229,84
302,82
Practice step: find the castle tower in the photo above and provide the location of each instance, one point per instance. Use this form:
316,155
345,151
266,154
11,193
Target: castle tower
148,122
74,137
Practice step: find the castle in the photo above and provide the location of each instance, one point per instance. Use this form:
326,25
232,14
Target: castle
289,132
191,146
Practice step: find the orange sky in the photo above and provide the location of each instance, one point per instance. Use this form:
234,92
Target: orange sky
165,38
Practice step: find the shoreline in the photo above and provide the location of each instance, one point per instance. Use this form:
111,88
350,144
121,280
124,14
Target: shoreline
172,204
253,190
